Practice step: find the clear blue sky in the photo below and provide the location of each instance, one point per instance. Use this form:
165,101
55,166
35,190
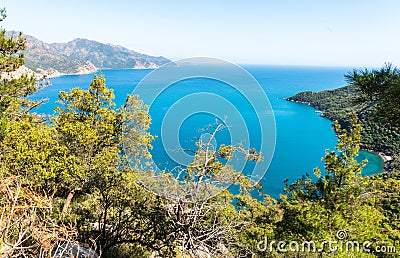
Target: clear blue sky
296,32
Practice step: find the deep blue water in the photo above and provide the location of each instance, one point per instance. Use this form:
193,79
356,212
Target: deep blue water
302,135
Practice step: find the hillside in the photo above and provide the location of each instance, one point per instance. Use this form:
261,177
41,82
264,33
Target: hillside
81,56
337,104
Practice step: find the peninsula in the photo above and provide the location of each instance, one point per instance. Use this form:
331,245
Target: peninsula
336,104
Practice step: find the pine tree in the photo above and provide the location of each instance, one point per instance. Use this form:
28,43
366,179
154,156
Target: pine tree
340,200
382,88
13,91
27,161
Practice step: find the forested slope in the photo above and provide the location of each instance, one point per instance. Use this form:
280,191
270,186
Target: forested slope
337,104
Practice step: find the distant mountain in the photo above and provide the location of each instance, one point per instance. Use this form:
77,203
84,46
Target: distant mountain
82,56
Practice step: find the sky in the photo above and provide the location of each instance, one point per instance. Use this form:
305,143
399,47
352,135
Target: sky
353,33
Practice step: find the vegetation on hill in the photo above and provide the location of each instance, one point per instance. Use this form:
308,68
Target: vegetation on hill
68,189
377,135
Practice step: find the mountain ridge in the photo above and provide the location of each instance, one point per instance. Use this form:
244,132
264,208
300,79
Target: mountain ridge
83,56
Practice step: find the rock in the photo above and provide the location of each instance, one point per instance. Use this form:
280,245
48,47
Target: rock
49,72
87,68
67,250
20,71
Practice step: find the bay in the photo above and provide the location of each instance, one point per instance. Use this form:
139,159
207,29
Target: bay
302,135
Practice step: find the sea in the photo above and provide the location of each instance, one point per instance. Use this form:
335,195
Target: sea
302,135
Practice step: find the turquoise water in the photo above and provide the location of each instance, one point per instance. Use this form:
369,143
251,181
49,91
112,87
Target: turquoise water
302,135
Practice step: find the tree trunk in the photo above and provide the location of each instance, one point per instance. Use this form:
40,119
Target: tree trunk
68,202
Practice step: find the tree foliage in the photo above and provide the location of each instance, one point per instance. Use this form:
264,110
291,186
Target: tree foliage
85,168
30,160
380,85
340,200
13,91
